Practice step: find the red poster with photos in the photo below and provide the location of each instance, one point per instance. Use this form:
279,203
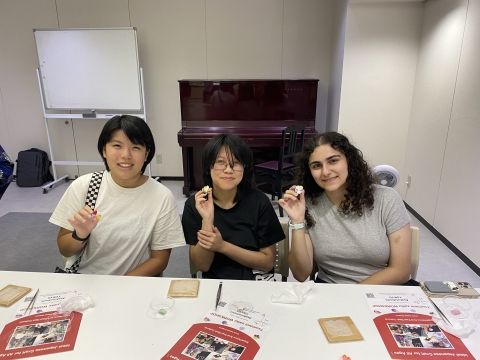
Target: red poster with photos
415,337
39,334
206,341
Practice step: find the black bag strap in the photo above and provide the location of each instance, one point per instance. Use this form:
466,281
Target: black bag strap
90,200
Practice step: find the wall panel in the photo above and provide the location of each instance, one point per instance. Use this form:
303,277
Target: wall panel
459,194
436,75
380,58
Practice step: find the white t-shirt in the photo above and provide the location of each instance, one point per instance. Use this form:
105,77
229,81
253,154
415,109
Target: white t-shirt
134,221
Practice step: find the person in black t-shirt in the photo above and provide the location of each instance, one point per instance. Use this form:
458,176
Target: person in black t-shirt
231,227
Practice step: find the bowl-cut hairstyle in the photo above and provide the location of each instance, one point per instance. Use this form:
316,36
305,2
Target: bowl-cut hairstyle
137,131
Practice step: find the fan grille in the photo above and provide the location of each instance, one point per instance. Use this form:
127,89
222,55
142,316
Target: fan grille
386,179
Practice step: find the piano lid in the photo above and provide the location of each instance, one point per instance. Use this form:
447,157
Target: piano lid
233,103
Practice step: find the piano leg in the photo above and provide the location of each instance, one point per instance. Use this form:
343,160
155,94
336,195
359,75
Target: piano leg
187,156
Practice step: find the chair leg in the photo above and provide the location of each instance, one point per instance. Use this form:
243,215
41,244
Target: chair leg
278,192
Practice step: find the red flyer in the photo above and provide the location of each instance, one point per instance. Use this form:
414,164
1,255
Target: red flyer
416,336
207,341
404,321
39,334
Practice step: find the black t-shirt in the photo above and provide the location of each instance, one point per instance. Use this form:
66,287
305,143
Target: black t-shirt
251,224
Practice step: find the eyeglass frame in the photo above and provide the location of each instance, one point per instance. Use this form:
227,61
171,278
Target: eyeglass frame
228,164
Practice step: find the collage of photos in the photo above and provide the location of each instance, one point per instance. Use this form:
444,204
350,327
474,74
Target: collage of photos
38,334
208,347
419,336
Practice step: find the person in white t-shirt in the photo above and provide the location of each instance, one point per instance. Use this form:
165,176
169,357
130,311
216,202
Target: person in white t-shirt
354,230
135,223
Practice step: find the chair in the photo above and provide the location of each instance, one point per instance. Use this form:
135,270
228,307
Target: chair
414,256
281,253
281,256
280,173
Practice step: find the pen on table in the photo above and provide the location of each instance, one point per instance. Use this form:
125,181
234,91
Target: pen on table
31,303
219,294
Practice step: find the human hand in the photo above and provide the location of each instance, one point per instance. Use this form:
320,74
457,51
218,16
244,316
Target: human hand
210,240
293,202
204,204
84,221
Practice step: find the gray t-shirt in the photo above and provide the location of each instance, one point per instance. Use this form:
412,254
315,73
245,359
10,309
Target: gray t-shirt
348,249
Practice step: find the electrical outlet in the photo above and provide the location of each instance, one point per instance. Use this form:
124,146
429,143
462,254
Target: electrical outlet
159,159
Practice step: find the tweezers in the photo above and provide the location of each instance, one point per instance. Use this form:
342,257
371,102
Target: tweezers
30,305
440,312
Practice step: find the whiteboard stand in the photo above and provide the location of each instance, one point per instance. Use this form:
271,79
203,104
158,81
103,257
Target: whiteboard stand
49,115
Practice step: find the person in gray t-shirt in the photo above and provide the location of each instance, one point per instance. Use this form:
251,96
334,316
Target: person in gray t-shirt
353,230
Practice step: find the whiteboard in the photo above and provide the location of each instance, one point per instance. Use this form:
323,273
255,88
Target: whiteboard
91,69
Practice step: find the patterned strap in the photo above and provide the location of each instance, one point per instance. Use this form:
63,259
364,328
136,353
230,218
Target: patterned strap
93,188
90,200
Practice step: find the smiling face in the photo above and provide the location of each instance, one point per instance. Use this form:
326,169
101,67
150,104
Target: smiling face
226,172
329,169
125,160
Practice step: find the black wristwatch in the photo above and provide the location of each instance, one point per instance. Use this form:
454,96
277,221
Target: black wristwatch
76,237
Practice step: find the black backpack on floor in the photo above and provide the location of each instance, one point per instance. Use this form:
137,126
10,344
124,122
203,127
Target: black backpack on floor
33,168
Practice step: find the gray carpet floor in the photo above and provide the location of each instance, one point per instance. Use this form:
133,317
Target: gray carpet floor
28,243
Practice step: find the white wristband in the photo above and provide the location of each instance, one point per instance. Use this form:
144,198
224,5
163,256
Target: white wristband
296,226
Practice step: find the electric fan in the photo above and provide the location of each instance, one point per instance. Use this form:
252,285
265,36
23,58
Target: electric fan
386,175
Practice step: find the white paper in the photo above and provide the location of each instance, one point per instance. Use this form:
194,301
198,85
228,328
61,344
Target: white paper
240,315
44,302
404,302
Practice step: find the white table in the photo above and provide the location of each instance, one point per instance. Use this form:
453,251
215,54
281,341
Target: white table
118,326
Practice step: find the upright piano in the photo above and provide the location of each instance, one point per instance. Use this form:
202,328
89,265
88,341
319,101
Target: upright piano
256,110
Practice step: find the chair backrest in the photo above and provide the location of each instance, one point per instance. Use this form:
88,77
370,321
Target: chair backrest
415,256
281,252
292,143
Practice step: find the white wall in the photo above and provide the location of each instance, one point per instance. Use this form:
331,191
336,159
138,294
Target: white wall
20,107
336,70
410,99
178,39
456,214
381,46
439,55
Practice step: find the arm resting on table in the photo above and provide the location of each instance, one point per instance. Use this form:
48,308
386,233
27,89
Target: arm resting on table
154,266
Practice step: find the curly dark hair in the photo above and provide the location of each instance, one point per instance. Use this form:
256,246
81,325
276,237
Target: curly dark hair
359,190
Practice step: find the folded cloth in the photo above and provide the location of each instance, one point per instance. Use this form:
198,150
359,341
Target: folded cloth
78,303
293,293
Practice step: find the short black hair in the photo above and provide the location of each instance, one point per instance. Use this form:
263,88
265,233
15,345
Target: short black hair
235,148
135,128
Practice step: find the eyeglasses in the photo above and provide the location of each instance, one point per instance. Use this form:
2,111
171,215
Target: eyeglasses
222,165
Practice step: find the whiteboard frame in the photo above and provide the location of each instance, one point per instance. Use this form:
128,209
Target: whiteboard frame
136,94
71,116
